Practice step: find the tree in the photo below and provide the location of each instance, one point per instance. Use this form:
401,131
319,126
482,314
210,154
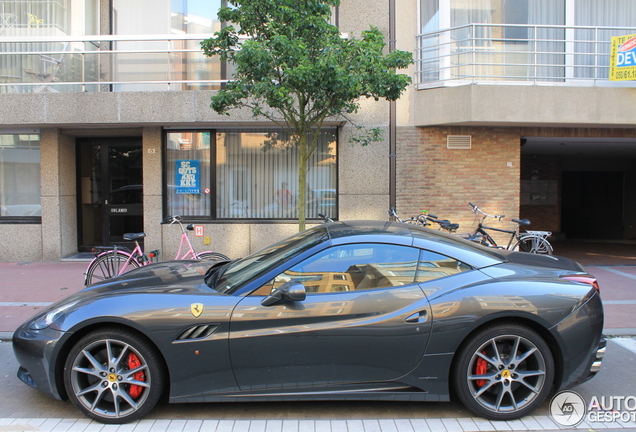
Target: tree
296,69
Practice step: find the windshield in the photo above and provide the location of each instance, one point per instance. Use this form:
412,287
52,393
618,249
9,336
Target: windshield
237,273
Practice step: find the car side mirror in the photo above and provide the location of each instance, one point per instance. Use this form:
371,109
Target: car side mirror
292,291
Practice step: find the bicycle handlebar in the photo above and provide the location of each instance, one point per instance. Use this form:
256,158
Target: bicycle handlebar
477,210
171,219
324,218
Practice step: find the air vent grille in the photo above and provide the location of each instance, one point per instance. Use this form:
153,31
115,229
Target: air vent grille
197,332
458,142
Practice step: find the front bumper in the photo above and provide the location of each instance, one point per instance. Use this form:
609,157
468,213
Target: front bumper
36,352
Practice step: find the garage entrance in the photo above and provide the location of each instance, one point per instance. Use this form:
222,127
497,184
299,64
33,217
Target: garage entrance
594,180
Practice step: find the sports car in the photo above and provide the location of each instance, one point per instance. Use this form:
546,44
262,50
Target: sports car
344,310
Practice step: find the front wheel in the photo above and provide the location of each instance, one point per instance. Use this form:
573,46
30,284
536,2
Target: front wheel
533,244
108,265
212,256
114,376
504,372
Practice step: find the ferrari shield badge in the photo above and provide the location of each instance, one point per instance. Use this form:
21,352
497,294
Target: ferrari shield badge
196,309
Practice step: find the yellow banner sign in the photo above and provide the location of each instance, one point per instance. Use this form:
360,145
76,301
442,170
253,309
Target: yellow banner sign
623,58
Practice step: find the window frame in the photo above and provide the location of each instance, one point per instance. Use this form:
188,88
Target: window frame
213,218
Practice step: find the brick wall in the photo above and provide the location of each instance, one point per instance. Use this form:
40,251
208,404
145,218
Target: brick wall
443,181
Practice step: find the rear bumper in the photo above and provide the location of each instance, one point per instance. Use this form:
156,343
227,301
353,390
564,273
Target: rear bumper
583,343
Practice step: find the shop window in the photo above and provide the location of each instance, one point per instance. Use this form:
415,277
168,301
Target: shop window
247,174
20,178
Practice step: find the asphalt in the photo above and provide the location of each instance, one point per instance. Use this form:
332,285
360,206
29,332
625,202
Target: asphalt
27,287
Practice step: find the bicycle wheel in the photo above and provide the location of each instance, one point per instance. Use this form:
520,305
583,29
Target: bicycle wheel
108,265
533,244
212,256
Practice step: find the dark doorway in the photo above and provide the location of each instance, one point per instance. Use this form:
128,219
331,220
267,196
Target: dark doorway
592,205
111,191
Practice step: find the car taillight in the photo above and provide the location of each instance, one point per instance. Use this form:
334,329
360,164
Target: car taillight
588,279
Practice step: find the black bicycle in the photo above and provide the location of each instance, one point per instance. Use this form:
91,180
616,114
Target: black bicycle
528,241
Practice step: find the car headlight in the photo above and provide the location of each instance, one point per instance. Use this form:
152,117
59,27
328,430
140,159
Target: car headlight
51,316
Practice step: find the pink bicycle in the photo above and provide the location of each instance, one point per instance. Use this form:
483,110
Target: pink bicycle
118,260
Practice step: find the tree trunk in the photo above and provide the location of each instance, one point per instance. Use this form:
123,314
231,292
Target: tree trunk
302,180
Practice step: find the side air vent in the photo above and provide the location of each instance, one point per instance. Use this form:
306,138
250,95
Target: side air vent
197,332
458,142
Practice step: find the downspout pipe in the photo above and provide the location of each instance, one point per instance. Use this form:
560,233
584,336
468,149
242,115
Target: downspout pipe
392,118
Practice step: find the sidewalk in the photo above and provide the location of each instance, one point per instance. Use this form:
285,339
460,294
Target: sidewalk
26,288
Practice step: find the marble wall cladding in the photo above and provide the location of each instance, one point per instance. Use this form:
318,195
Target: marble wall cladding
21,243
364,207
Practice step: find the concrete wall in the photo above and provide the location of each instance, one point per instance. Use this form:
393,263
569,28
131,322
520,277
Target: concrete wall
545,106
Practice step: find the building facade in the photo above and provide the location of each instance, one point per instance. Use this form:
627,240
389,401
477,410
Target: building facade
105,126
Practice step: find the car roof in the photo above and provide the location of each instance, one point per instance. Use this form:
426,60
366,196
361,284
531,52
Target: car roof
412,235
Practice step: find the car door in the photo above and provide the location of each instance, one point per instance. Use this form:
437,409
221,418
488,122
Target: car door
365,319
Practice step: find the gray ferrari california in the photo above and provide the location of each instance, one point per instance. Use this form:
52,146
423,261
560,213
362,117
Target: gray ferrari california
344,310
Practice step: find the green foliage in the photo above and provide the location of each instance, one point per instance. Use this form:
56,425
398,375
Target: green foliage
295,69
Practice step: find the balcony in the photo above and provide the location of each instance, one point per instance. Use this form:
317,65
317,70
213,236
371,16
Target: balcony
517,55
107,64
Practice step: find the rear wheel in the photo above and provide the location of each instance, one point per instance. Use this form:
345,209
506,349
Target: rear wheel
212,256
504,372
113,376
109,265
533,244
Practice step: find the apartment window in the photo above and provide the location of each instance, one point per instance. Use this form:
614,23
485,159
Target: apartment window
592,13
175,61
20,178
42,62
235,174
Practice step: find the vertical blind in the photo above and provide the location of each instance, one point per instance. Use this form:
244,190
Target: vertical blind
257,176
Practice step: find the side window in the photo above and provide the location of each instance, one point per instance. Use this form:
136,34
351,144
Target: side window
351,267
434,266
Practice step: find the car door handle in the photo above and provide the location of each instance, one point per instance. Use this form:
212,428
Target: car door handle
417,317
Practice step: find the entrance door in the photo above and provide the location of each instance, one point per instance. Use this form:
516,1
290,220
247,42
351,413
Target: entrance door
592,205
111,191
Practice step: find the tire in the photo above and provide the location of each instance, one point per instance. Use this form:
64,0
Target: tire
212,256
100,385
109,265
533,244
494,383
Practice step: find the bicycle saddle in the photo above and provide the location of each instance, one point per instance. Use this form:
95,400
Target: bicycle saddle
522,222
450,226
134,236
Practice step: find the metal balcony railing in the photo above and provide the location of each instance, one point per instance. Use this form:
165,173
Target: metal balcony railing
107,63
516,54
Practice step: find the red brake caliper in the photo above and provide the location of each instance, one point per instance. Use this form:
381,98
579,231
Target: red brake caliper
133,363
481,367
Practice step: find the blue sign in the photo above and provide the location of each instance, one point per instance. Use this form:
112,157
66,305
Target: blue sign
188,177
